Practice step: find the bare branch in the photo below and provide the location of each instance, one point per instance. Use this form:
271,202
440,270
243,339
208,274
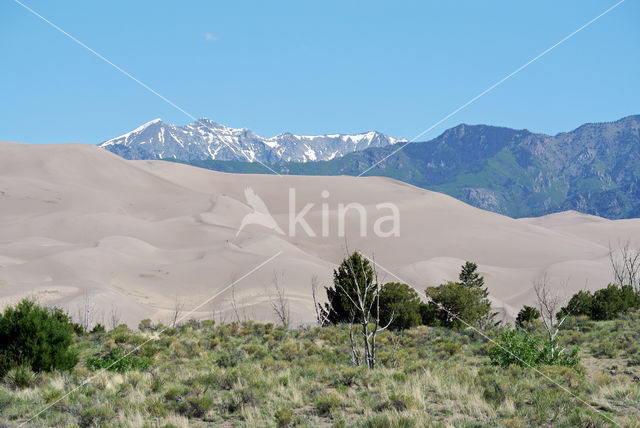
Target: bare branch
625,263
177,309
322,315
280,304
86,311
233,298
114,317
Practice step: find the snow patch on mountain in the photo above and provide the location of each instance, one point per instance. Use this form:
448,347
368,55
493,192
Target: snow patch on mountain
205,139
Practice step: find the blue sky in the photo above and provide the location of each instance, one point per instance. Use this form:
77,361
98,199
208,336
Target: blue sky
313,67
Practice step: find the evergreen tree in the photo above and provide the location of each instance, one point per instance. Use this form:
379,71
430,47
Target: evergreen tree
527,315
466,299
401,302
35,336
458,305
469,277
339,307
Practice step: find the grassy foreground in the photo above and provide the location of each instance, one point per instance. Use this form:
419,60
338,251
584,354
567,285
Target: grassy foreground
249,374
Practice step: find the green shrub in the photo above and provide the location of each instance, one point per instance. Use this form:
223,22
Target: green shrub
525,349
196,407
229,358
283,416
609,302
397,402
604,348
493,390
176,393
390,421
145,325
527,315
326,404
428,314
98,328
95,416
454,302
119,361
516,347
20,377
401,302
448,349
634,360
347,376
604,304
241,397
37,337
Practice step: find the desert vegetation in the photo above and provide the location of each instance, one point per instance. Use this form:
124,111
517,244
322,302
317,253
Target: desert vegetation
425,367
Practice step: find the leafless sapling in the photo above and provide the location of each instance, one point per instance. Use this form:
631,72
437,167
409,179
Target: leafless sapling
549,304
625,262
279,302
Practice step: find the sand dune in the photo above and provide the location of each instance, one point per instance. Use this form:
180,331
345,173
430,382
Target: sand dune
78,223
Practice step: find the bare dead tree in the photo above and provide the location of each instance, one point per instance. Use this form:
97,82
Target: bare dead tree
114,317
279,302
322,314
625,262
366,310
86,311
549,304
177,310
233,298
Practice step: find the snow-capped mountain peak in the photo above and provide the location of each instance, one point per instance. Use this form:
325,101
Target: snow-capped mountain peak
206,139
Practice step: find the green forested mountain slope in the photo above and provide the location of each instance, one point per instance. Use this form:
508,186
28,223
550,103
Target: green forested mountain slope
594,169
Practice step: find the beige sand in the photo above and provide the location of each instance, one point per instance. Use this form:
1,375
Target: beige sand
79,224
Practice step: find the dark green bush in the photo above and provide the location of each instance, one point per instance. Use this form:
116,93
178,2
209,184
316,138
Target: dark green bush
527,315
459,304
428,314
609,302
98,328
456,304
604,304
37,337
401,302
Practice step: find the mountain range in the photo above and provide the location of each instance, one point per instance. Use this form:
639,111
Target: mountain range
204,139
594,169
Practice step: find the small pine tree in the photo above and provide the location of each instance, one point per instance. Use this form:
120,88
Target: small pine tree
469,277
527,315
